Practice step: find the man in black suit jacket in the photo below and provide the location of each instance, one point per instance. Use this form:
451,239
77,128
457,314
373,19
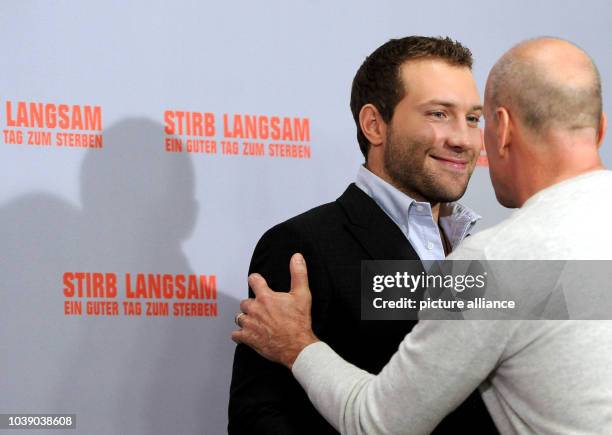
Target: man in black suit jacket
334,238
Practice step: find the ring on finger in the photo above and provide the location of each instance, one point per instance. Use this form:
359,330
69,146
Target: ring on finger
237,318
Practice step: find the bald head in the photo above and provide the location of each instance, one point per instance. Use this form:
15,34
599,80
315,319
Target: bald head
548,83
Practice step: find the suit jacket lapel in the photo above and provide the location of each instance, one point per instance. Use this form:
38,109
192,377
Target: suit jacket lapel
379,236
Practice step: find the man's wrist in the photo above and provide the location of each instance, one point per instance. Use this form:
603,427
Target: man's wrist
299,345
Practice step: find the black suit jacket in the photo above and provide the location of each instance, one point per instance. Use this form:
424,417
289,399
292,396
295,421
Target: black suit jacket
334,238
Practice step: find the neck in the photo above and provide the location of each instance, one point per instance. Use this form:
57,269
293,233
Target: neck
555,162
380,172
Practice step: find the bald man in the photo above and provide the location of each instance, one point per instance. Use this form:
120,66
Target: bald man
544,125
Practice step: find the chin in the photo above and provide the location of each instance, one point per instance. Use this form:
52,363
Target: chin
446,196
457,193
506,201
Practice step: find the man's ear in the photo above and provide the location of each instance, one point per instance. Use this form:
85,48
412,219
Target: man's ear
504,130
603,123
372,124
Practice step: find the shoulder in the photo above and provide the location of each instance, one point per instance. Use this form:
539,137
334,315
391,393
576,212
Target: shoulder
561,221
315,220
327,218
496,242
305,231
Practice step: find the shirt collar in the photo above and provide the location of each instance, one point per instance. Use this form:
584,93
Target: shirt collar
455,219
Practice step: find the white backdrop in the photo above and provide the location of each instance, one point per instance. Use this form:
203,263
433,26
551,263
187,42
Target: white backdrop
132,207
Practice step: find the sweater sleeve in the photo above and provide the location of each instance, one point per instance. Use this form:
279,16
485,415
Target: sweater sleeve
437,366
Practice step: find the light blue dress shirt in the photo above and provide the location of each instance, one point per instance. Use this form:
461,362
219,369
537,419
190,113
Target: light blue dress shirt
415,219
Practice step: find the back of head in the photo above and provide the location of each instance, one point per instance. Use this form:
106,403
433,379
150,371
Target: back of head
378,80
548,83
543,118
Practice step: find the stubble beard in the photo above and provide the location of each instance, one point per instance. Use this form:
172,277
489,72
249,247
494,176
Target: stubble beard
405,167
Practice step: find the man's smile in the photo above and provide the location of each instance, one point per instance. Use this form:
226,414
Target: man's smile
453,163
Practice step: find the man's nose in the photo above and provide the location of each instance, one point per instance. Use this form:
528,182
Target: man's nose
462,136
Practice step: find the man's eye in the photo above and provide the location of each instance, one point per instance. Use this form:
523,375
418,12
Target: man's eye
473,119
439,115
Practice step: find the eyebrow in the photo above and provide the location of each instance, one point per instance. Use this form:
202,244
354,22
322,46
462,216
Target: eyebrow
450,104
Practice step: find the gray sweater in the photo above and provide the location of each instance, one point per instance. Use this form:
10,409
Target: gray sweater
540,377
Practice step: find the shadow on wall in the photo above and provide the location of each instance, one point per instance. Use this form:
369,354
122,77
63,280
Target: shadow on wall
149,375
